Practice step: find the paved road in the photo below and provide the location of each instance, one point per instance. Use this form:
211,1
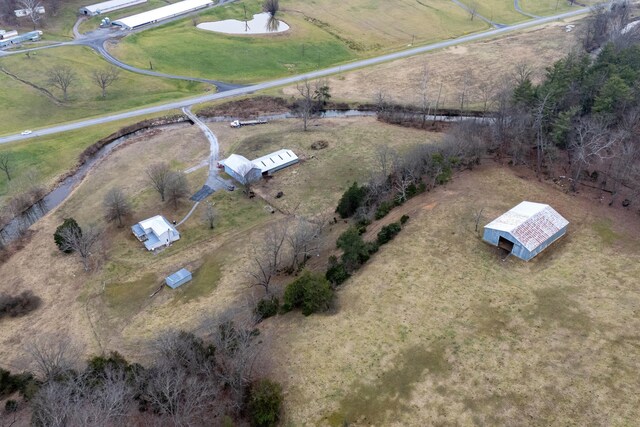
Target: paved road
222,86
289,80
477,15
516,4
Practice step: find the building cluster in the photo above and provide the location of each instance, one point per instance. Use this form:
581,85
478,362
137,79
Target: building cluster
149,17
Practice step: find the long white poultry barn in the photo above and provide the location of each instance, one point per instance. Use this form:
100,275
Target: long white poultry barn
161,14
108,6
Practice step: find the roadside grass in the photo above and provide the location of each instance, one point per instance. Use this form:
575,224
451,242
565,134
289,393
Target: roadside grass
315,185
315,40
499,11
550,7
436,329
447,69
43,160
30,108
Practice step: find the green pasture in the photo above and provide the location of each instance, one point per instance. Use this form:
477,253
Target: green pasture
31,108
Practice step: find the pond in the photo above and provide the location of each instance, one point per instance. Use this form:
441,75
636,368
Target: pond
262,23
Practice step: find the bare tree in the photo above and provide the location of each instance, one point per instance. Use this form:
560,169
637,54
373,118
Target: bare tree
177,188
467,79
303,238
159,174
52,357
210,216
5,164
272,7
472,8
591,144
55,403
32,8
265,259
61,77
235,354
425,102
305,105
82,242
116,206
105,77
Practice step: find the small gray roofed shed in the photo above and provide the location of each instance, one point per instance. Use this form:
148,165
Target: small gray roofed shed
178,278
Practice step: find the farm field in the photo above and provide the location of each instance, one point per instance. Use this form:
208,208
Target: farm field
311,43
116,296
32,108
549,7
447,69
438,330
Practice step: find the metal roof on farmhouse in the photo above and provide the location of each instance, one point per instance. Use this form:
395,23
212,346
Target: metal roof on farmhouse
275,160
158,224
530,223
162,13
108,6
239,164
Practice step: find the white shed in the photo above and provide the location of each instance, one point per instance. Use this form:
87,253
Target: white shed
276,161
108,6
162,13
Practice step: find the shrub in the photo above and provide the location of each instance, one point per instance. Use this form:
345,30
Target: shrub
388,232
57,237
265,402
355,251
384,209
404,219
11,406
337,274
267,307
98,365
351,200
310,291
19,305
413,190
20,382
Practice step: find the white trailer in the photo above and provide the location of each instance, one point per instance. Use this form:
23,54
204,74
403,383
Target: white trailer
240,123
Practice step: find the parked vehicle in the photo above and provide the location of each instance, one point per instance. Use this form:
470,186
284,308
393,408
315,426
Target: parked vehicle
239,123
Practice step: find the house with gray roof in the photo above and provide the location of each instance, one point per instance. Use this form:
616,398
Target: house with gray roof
155,232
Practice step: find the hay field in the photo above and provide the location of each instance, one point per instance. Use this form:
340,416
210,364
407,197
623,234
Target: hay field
437,330
487,64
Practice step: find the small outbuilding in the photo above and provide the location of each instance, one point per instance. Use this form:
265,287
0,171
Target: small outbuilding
108,6
276,161
241,169
155,232
526,230
178,278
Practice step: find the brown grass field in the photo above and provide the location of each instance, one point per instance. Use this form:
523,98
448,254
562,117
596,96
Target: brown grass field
489,63
438,330
435,329
111,307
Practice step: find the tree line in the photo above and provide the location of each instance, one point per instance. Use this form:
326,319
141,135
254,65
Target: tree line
187,380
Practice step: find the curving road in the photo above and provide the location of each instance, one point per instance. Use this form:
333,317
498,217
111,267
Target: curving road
290,80
516,5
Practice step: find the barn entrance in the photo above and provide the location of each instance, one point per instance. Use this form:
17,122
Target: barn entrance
505,244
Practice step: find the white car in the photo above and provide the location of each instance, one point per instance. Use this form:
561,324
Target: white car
26,132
